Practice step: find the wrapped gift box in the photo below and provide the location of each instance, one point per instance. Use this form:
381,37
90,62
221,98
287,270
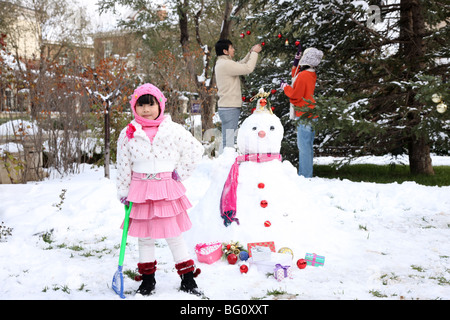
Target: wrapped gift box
282,272
208,252
315,260
268,244
260,253
268,266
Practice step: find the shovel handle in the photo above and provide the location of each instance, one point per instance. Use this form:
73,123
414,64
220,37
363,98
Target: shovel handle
126,222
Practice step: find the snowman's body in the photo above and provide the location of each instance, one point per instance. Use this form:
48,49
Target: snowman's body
266,190
268,193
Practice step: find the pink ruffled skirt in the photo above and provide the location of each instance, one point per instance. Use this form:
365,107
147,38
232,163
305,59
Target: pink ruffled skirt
159,206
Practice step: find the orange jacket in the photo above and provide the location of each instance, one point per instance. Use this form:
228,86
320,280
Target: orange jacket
303,90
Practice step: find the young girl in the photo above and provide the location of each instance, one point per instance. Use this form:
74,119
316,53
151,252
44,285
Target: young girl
153,155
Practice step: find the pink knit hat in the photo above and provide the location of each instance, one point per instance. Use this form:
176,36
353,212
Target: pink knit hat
144,89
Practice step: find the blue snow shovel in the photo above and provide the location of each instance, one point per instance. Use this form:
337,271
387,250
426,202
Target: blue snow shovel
117,282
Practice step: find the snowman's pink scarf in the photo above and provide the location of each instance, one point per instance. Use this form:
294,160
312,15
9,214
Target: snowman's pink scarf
229,196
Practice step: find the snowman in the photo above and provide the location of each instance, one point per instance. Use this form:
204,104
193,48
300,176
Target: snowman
258,193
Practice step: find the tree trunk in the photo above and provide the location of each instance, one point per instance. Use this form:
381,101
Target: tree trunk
412,49
107,138
419,157
226,23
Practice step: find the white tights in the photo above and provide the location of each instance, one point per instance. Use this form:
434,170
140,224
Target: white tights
177,245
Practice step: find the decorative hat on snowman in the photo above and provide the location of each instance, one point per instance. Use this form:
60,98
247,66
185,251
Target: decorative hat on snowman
259,140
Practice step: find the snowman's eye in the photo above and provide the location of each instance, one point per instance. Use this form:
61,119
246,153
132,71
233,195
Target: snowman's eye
254,128
272,128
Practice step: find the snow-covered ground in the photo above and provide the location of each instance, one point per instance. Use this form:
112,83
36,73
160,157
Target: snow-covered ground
380,241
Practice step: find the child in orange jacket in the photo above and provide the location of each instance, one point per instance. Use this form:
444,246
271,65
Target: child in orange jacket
304,79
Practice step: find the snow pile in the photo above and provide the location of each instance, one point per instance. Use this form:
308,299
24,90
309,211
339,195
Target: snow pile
379,241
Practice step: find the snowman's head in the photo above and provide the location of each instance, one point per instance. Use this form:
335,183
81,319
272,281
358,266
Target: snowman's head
261,132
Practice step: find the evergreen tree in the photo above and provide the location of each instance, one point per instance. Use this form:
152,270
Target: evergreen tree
383,61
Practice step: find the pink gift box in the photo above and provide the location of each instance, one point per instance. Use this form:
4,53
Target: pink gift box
208,252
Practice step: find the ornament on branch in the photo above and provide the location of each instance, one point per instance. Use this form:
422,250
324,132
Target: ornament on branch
441,107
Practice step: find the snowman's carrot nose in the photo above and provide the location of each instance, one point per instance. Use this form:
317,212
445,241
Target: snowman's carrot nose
261,134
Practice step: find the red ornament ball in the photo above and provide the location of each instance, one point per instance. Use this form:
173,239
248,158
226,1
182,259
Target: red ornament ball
301,263
232,258
297,43
242,35
244,98
264,203
263,43
273,91
267,224
263,102
261,185
243,268
279,36
249,32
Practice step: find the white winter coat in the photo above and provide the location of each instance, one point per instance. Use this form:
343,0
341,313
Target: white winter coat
173,148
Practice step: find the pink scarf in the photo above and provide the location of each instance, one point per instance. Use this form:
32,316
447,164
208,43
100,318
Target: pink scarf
229,197
150,127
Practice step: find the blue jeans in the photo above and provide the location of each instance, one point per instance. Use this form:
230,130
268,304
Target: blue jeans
305,141
230,121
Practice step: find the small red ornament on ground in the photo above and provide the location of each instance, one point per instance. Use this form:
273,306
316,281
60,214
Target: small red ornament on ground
243,268
232,258
261,185
267,224
264,203
301,263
